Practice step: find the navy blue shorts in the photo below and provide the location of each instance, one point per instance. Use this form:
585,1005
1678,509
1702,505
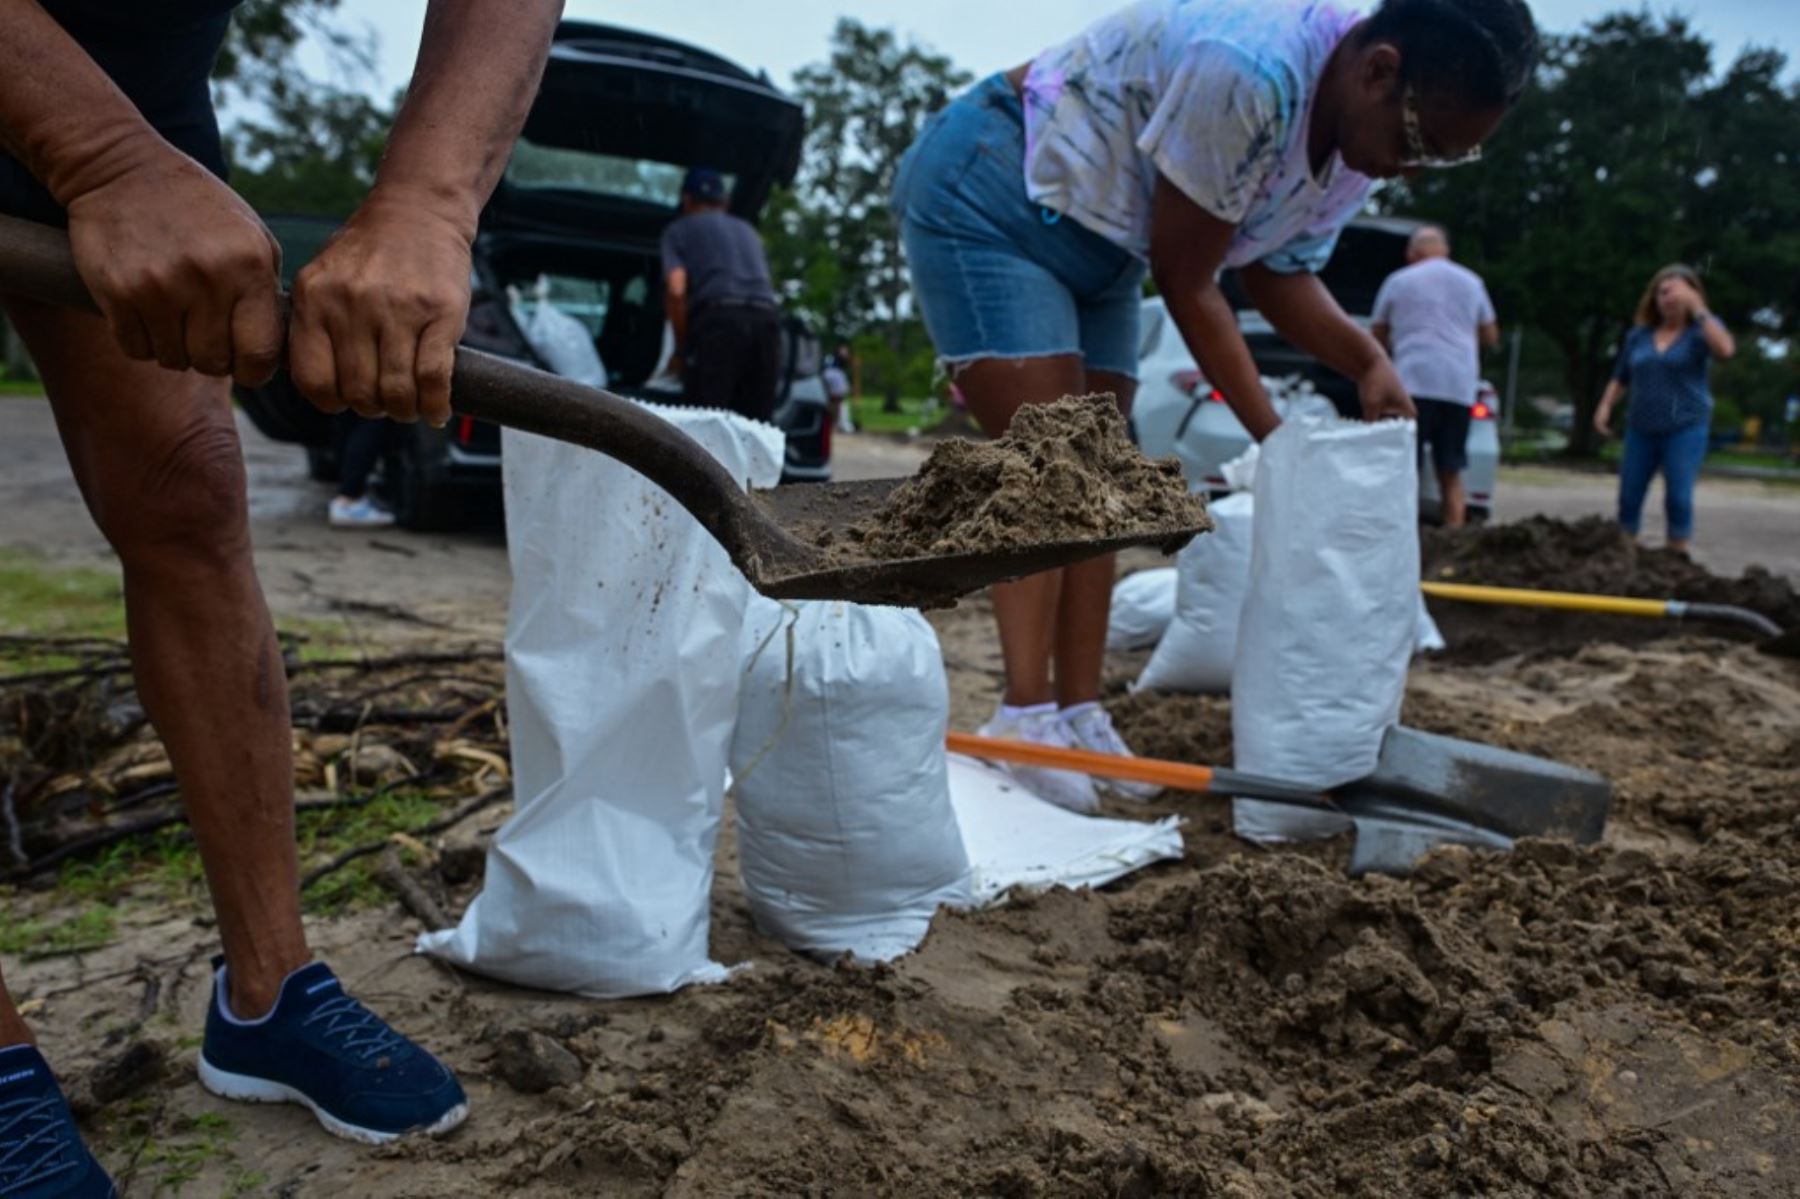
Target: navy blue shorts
164,71
1444,426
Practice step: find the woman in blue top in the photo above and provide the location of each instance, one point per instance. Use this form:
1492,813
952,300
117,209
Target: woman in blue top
1664,366
1174,138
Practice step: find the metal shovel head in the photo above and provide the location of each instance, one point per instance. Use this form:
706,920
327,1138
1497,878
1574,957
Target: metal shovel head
1512,794
822,513
1392,837
1429,791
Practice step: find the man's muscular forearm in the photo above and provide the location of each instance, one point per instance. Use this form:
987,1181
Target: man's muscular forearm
478,70
59,113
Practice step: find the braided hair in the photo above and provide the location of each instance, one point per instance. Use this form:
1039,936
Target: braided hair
1481,51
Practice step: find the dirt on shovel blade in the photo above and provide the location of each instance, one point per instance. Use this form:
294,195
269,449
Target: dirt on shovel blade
1065,471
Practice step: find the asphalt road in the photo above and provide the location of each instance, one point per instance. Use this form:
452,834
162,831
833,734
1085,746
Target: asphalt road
459,583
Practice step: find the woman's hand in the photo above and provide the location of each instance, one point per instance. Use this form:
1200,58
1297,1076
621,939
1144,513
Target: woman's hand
1609,399
1384,397
1187,247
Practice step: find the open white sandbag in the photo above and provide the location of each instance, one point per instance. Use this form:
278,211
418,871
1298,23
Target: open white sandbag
562,341
622,643
1015,839
1197,652
1332,615
1143,604
846,838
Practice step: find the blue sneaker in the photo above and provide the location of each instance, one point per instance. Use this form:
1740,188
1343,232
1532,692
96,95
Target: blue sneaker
41,1154
320,1047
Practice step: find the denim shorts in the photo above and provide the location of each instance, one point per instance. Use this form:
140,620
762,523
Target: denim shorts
995,275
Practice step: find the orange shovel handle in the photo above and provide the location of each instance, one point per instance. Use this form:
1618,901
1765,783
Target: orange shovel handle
1177,776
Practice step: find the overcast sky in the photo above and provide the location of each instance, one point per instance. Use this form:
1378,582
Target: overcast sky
980,35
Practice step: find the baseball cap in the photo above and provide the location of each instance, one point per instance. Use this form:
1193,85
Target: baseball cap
704,185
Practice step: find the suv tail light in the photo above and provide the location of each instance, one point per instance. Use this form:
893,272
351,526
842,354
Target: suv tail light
1194,384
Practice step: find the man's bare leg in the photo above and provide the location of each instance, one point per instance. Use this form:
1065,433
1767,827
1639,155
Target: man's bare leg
157,457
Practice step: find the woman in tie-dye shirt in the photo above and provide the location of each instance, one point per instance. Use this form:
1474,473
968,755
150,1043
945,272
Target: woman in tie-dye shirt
1175,138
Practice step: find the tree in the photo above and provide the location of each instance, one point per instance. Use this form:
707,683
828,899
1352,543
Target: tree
1626,156
315,154
304,146
836,238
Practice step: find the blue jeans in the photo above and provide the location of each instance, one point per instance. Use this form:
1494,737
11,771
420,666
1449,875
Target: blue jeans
995,275
1678,453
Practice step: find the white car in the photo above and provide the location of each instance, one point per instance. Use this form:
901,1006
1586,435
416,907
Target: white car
1177,412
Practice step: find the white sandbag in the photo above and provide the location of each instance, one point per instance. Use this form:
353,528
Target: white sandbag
1332,615
1197,652
847,842
1143,604
562,341
625,628
1015,839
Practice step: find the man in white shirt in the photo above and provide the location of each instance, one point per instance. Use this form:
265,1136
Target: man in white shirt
1433,317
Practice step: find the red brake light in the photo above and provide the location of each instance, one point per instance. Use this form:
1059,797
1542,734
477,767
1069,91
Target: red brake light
465,430
1482,411
1217,396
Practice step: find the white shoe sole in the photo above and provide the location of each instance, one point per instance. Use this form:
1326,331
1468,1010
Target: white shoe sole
245,1089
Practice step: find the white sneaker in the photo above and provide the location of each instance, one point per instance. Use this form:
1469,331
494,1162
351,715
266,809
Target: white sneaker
1043,726
358,514
1091,728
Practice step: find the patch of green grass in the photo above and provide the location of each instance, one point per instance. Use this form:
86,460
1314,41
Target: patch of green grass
177,1156
95,927
324,640
30,388
41,599
245,1182
913,414
324,834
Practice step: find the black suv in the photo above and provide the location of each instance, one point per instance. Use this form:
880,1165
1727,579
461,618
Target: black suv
594,178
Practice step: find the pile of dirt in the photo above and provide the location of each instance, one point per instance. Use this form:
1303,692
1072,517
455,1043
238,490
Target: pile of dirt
1063,471
1593,556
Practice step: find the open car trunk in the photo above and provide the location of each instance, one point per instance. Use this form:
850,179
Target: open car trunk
618,121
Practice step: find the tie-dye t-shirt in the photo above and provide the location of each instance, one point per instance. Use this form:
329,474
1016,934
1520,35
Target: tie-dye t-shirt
1215,95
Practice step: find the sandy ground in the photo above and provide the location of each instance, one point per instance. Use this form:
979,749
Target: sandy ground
1619,1021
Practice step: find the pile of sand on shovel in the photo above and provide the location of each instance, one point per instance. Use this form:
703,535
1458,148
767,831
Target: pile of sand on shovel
1064,471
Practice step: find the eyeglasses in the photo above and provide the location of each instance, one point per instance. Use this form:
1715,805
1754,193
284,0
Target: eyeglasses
1418,156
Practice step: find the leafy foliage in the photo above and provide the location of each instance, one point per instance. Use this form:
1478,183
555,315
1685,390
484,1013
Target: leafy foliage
834,239
1628,155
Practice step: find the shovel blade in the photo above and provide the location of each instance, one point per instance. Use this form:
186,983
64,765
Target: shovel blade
1391,838
1510,794
822,513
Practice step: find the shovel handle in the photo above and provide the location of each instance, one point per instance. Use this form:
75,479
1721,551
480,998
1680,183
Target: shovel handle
1564,601
1177,776
36,261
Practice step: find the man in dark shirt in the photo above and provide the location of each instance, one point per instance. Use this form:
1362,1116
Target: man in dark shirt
106,126
721,304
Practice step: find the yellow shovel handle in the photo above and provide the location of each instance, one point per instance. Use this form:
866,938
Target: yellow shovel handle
1562,600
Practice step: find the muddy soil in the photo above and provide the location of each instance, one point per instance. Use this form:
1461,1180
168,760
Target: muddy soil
1591,555
1617,1021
